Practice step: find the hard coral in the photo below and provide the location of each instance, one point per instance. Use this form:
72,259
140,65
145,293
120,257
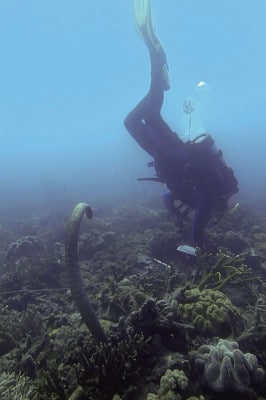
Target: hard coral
173,379
17,387
235,242
26,246
170,383
224,367
260,241
209,310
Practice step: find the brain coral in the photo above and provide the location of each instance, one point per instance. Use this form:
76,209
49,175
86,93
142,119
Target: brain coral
210,311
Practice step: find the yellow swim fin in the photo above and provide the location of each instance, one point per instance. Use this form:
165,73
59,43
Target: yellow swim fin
144,25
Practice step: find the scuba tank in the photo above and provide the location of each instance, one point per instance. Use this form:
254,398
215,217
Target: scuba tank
209,168
206,141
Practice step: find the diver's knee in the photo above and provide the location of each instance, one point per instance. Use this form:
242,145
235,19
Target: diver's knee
129,122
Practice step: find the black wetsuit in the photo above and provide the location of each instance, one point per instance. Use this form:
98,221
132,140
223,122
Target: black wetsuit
179,165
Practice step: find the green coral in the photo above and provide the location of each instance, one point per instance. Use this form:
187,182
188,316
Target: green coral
226,269
100,369
152,396
17,387
116,397
173,379
209,310
170,382
119,298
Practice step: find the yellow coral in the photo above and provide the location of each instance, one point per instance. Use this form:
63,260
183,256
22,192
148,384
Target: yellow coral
170,383
209,310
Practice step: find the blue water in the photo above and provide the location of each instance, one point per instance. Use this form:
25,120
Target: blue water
71,71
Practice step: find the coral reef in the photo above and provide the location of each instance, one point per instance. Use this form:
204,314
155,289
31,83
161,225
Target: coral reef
209,310
7,342
118,299
260,240
149,321
100,370
223,367
195,398
170,384
95,241
235,242
155,305
224,270
17,387
25,246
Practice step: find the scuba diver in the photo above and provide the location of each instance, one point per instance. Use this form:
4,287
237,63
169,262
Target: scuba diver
193,171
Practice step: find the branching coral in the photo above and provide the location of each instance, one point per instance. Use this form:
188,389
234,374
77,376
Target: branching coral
224,367
101,370
226,269
17,387
109,368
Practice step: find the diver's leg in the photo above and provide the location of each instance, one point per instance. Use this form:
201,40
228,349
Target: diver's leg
146,115
201,217
135,123
169,202
144,122
145,28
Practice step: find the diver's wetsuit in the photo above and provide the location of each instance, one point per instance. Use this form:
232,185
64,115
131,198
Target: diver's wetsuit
145,122
170,153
